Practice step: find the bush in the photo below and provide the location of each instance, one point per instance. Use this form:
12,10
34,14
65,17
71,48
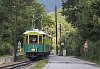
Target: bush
5,49
94,50
73,43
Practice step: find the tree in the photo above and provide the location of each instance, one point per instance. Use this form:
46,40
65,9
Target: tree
25,11
85,16
82,15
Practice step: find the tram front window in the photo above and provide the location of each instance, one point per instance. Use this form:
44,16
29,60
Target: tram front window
40,39
33,39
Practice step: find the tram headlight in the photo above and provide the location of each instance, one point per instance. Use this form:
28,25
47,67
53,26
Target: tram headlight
33,50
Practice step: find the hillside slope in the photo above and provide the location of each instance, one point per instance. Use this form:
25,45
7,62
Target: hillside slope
66,27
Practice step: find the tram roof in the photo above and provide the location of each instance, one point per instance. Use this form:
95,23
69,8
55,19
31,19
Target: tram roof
41,32
36,30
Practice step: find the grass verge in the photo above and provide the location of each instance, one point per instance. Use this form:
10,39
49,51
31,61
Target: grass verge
87,59
40,64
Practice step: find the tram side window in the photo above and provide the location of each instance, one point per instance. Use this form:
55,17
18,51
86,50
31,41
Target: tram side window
40,39
33,39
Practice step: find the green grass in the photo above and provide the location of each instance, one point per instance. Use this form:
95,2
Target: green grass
22,57
40,64
5,56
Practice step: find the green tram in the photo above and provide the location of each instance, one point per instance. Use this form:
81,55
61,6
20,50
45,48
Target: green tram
37,43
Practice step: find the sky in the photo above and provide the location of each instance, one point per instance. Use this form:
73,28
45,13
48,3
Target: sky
50,4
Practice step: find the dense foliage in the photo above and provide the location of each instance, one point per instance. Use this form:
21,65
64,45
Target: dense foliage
83,15
65,26
30,14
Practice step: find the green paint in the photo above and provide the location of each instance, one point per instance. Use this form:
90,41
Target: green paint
38,48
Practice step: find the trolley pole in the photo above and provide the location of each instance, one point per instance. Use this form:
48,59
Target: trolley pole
56,29
15,31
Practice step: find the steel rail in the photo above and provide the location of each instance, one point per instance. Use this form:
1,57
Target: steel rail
17,65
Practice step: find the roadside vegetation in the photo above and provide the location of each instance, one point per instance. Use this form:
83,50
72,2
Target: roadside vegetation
65,26
84,16
40,64
27,11
88,59
80,21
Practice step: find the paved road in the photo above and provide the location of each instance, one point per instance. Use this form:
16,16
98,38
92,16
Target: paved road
61,62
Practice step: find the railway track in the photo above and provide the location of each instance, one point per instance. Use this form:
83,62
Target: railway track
18,65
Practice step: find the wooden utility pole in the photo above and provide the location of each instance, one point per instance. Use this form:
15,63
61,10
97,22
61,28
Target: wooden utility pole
60,30
60,41
15,31
56,29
